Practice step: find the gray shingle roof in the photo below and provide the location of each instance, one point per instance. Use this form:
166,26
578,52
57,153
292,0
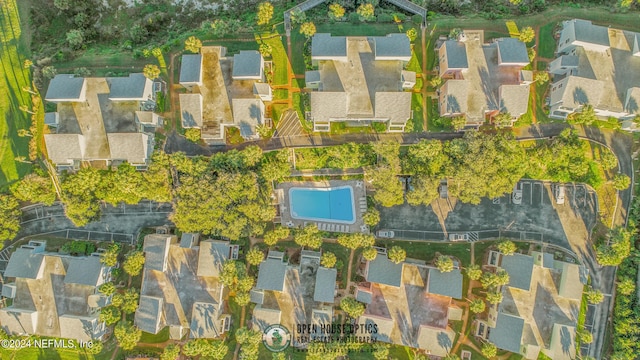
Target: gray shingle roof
24,264
519,268
62,148
325,45
312,76
507,334
396,106
392,45
261,89
328,105
384,271
149,314
364,296
133,147
191,110
632,103
456,54
568,60
211,257
18,321
271,275
204,321
51,118
156,249
84,271
445,284
325,285
65,87
188,240
575,91
247,115
79,327
514,99
256,296
512,51
191,68
455,94
589,33
248,63
132,87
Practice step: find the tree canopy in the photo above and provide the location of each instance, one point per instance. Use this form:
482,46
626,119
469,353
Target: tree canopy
356,240
9,217
507,247
444,263
265,13
133,263
309,237
192,44
127,335
328,259
272,237
254,256
397,254
352,307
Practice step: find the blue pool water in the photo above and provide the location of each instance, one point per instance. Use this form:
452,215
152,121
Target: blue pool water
330,204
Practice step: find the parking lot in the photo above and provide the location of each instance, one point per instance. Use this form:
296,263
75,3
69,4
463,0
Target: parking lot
537,217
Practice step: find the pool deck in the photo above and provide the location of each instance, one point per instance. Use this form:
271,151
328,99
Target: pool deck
359,197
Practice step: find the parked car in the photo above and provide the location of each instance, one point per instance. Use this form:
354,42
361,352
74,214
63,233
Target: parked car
389,234
458,237
409,185
516,195
558,192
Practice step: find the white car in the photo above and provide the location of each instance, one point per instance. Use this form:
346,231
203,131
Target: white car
559,194
386,234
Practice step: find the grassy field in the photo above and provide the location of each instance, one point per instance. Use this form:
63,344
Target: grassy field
13,77
278,56
546,42
427,251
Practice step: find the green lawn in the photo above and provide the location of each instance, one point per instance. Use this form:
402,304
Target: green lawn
416,106
13,77
278,56
427,251
149,338
547,44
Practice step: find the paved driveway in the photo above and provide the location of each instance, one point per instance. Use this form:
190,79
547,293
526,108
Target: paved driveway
538,217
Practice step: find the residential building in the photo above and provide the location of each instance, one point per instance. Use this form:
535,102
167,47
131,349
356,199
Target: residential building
224,92
482,79
101,121
599,66
181,287
293,295
411,303
539,310
54,295
360,81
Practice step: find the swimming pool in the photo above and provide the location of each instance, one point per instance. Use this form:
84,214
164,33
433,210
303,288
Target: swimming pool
323,204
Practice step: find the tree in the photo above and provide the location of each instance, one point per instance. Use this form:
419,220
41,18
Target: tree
242,298
170,352
133,263
61,4
232,272
49,72
356,240
308,237
458,123
265,13
477,306
95,348
297,16
265,50
27,64
625,4
75,38
255,256
110,315
9,217
435,82
193,134
412,34
626,286
541,77
35,189
192,44
594,296
107,289
151,71
617,250
336,11
608,160
380,351
110,256
488,349
488,280
474,272
369,253
585,336
127,335
507,247
273,236
502,277
328,260
444,263
308,29
621,181
531,53
494,297
278,356
527,34
130,300
397,254
366,12
502,119
586,116
352,307
371,217
276,166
